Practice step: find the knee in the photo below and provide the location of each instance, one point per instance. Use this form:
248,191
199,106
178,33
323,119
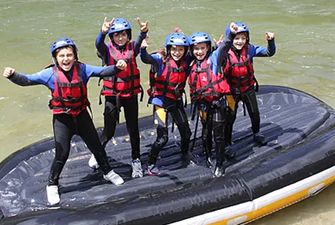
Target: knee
161,141
110,110
218,126
218,139
218,129
230,116
204,134
60,162
204,137
162,137
185,131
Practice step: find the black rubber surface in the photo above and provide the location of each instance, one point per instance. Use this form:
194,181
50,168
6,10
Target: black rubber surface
301,134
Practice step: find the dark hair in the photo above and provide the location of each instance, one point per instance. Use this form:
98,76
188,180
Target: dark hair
168,50
127,31
68,46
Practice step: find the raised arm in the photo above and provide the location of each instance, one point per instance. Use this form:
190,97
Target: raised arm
42,77
220,54
100,45
155,60
271,48
145,56
143,34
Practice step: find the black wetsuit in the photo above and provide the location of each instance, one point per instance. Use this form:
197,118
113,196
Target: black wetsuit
113,103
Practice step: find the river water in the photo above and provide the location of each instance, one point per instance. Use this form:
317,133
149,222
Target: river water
304,60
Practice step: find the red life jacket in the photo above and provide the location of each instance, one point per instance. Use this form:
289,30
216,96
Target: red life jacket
171,82
204,84
239,71
68,97
125,83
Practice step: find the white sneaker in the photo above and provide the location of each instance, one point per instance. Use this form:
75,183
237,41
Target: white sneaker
53,195
92,163
137,168
114,178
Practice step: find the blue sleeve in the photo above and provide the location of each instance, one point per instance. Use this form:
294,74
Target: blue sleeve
214,63
44,77
154,59
259,51
97,71
146,57
102,48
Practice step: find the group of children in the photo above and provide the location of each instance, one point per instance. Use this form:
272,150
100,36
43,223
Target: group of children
219,76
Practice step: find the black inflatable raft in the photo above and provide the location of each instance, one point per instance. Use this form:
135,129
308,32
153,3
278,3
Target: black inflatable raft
297,162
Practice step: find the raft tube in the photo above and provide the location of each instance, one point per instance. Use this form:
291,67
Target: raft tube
297,162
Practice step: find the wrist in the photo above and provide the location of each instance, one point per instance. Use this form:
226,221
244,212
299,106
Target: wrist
103,32
11,75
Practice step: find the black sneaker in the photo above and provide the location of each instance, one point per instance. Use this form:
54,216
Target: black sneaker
229,153
153,170
187,158
260,139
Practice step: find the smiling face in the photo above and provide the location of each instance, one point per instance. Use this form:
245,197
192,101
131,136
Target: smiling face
240,40
177,52
65,58
200,50
120,38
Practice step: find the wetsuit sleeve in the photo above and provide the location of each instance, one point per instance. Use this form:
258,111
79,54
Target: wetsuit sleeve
21,80
155,60
102,49
259,51
43,77
98,71
146,57
219,55
138,42
109,71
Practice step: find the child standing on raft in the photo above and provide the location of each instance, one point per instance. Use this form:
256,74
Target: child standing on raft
239,72
67,80
122,89
210,94
168,76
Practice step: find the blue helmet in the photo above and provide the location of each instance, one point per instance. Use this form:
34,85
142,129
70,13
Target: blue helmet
118,25
178,39
63,42
242,27
199,37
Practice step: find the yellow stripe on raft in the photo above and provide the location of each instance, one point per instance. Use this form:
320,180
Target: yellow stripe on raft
275,206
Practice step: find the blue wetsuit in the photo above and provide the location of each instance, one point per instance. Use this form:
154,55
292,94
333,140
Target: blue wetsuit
65,125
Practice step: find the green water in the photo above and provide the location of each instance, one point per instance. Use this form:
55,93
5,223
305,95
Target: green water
304,60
